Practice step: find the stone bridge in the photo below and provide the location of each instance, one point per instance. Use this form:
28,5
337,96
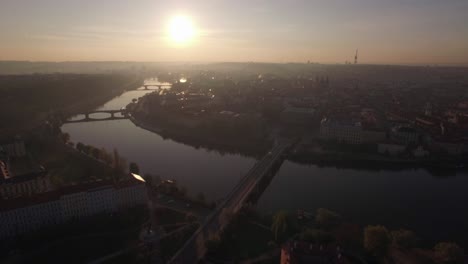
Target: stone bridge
87,118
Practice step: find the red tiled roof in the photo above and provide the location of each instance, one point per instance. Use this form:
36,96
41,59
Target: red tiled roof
300,251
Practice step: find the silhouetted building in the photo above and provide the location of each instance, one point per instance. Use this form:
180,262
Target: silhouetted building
23,185
14,149
298,115
301,252
405,135
30,213
342,131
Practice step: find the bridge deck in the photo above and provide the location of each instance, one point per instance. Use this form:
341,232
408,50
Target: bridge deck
86,118
94,119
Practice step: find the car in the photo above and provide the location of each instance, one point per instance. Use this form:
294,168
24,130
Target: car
170,201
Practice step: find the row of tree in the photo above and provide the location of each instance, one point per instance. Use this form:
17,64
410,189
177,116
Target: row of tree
113,160
378,240
283,224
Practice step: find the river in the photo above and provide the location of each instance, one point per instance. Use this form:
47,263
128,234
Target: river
413,198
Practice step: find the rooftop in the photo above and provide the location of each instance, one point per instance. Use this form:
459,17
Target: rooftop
10,204
305,252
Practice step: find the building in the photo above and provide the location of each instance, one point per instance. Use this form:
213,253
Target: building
342,131
20,175
373,135
29,213
420,152
4,172
298,252
391,148
298,115
15,149
451,147
405,135
23,185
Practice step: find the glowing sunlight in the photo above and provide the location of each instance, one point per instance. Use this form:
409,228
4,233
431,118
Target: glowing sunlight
181,29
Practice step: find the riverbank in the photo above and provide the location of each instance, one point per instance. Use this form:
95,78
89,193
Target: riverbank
341,159
197,139
55,96
374,161
94,102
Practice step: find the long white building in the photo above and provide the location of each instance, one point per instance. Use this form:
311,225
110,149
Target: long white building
351,132
71,203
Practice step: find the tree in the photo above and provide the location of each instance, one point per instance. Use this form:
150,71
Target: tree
376,240
183,191
65,137
152,179
327,218
404,239
133,167
157,179
80,146
148,179
87,149
201,197
348,235
448,252
106,157
189,217
316,236
96,153
212,244
280,224
272,244
119,164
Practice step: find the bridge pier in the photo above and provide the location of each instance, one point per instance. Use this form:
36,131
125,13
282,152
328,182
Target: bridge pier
112,114
86,116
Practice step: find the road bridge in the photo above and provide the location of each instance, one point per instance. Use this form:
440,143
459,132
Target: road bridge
87,118
156,86
245,192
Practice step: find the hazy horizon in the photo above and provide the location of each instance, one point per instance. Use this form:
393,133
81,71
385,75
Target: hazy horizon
460,64
328,32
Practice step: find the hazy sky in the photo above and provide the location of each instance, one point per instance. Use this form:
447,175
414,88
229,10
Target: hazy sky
328,31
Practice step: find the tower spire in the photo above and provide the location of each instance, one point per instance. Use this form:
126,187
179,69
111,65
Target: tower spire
355,57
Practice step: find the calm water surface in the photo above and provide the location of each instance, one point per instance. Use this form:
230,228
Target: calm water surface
433,206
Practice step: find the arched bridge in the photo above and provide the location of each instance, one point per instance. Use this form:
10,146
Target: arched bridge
151,86
88,118
245,192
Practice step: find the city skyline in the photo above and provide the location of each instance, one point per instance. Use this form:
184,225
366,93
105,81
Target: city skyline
396,32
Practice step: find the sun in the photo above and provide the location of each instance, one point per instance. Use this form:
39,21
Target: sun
181,29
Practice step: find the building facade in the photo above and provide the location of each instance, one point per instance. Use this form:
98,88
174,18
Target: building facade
27,214
301,252
405,135
346,132
24,185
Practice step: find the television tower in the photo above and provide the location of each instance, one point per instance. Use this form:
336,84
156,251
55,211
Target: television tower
355,57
